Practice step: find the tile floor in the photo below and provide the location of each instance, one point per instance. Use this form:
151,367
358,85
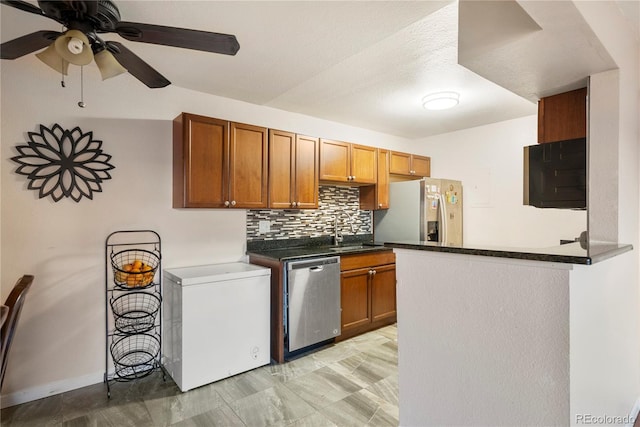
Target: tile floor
353,383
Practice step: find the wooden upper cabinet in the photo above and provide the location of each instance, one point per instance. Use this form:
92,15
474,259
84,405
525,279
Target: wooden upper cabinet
293,171
200,166
218,164
248,161
563,116
346,162
335,163
400,163
373,197
409,164
281,168
382,193
306,172
421,165
363,164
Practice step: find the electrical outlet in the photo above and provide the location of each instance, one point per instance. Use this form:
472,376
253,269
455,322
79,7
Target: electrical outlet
264,226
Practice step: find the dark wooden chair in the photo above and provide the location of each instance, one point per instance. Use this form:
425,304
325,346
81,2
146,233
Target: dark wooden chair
14,302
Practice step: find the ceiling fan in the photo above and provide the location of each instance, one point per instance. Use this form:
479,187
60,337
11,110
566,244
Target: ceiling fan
79,44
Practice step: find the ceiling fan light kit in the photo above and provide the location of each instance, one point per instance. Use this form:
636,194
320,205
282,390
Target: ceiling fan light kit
73,46
80,44
108,65
51,57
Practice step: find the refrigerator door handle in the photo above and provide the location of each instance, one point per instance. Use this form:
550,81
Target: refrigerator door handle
443,220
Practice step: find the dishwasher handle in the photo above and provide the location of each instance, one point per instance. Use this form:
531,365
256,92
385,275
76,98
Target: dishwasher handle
316,268
313,263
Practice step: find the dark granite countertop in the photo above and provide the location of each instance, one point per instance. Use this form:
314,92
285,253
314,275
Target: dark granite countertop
571,253
290,249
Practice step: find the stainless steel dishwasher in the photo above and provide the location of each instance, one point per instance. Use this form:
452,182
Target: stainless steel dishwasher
312,298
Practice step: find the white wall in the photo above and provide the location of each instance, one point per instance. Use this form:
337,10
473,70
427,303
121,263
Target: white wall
607,381
486,346
489,162
60,341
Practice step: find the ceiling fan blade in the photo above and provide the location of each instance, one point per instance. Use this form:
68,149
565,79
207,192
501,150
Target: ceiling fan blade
136,66
26,44
24,6
179,37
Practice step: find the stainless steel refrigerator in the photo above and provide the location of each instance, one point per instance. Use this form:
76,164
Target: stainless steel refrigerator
421,210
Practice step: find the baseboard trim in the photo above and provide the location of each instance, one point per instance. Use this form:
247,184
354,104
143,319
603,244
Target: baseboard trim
50,389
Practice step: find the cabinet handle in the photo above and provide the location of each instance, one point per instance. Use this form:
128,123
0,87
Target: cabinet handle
374,272
226,203
233,203
370,272
353,178
293,204
379,205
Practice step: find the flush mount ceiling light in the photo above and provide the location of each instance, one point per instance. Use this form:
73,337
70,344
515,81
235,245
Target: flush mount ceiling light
440,100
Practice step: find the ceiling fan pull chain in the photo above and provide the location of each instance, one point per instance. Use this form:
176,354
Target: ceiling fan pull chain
62,83
62,74
81,104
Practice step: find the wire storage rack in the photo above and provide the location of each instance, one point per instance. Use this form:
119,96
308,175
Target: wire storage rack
133,306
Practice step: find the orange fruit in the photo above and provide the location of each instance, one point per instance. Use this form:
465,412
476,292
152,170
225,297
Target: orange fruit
137,264
132,281
148,277
127,267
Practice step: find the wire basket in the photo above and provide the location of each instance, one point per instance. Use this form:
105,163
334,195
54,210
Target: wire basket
135,312
134,356
134,268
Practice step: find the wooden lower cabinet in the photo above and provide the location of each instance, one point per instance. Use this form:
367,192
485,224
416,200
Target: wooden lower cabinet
368,292
355,297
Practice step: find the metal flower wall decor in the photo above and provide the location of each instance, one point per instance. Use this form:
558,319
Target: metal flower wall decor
63,163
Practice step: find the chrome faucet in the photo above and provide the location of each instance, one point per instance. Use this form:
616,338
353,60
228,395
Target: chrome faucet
337,236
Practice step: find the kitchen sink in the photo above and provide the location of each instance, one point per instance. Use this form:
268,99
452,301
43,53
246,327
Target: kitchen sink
346,248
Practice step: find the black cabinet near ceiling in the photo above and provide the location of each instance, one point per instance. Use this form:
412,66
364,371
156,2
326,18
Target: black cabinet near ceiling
555,174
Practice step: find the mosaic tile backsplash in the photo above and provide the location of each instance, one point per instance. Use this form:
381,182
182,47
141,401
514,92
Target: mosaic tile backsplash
293,224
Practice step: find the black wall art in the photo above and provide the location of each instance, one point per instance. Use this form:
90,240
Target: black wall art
63,163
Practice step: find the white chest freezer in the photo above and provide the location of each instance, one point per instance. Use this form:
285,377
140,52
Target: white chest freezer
215,322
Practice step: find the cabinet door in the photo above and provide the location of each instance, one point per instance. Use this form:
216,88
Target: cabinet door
248,151
334,161
200,162
306,172
400,163
354,297
363,164
382,187
420,166
373,197
281,169
563,116
383,292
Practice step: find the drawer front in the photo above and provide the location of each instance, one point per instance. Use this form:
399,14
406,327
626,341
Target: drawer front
352,262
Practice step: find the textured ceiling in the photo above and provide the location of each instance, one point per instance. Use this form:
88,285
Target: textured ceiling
369,64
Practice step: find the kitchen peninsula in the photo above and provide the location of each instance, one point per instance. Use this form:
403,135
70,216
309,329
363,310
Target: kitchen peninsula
502,332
